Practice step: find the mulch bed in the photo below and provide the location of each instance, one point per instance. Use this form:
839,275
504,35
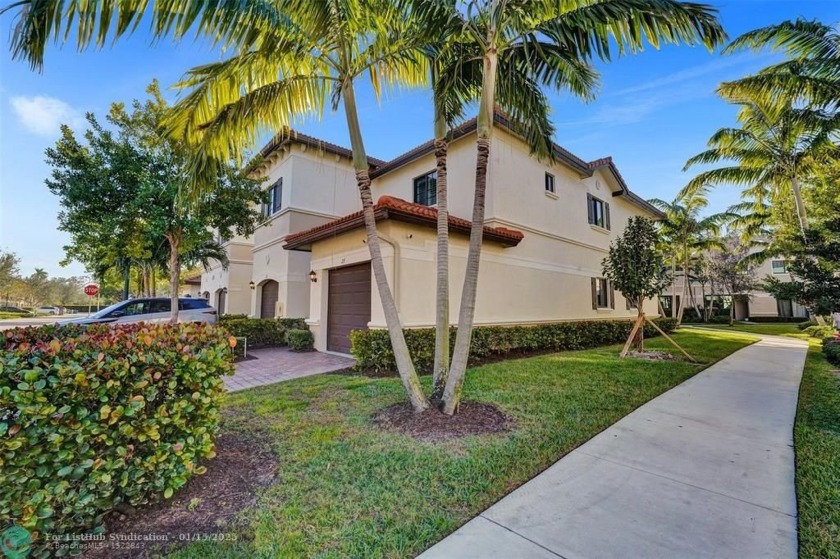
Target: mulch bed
203,509
654,356
473,418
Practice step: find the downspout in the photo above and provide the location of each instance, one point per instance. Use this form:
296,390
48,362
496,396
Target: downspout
395,288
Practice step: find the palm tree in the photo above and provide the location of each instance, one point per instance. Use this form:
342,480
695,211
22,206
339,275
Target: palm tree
689,234
289,60
811,72
457,65
776,146
543,36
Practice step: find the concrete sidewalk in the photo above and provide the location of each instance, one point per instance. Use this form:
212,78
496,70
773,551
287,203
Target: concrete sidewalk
705,470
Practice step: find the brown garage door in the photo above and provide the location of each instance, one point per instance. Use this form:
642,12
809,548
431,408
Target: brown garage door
349,305
268,303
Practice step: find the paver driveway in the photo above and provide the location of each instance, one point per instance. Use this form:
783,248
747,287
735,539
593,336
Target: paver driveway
277,364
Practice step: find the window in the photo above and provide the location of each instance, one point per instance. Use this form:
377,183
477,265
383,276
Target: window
159,305
193,304
275,198
425,189
602,294
598,211
132,308
549,183
779,267
784,307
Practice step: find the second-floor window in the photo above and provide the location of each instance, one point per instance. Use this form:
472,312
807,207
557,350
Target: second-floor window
549,183
425,189
779,267
598,212
275,198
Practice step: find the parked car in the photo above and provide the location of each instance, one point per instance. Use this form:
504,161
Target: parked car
150,310
17,310
48,310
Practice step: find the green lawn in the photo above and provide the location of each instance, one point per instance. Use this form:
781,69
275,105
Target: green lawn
770,328
348,489
817,438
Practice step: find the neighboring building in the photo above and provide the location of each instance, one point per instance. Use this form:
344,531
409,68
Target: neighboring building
227,289
310,182
192,287
548,229
756,304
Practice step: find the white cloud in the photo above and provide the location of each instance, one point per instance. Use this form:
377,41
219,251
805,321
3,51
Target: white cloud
44,115
633,108
721,67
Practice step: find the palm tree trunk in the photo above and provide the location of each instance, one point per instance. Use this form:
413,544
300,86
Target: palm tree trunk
466,316
800,205
405,366
174,239
685,286
441,360
147,284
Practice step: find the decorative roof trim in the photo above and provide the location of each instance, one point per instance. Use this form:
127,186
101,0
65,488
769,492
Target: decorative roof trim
389,207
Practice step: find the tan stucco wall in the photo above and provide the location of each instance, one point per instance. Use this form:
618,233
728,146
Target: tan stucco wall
317,187
235,278
515,286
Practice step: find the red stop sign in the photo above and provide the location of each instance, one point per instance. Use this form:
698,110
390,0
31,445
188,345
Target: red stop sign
91,289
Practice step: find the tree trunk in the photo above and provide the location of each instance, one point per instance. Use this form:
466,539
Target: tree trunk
466,316
441,360
174,274
154,283
147,283
641,334
126,281
405,366
684,287
732,310
800,205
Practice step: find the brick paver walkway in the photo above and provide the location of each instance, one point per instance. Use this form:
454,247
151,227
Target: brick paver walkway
277,364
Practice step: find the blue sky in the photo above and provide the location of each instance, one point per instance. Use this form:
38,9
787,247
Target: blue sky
654,110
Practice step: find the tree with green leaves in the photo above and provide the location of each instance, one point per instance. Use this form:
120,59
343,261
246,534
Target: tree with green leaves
776,146
810,73
687,234
290,58
550,42
635,266
9,272
732,271
130,179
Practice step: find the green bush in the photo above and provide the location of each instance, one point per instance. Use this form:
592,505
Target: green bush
372,348
95,417
806,324
232,316
794,319
820,332
263,332
299,340
719,319
831,350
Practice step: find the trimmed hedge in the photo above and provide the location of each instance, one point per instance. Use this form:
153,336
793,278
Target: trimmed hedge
831,350
821,332
372,348
300,340
96,417
793,319
263,332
